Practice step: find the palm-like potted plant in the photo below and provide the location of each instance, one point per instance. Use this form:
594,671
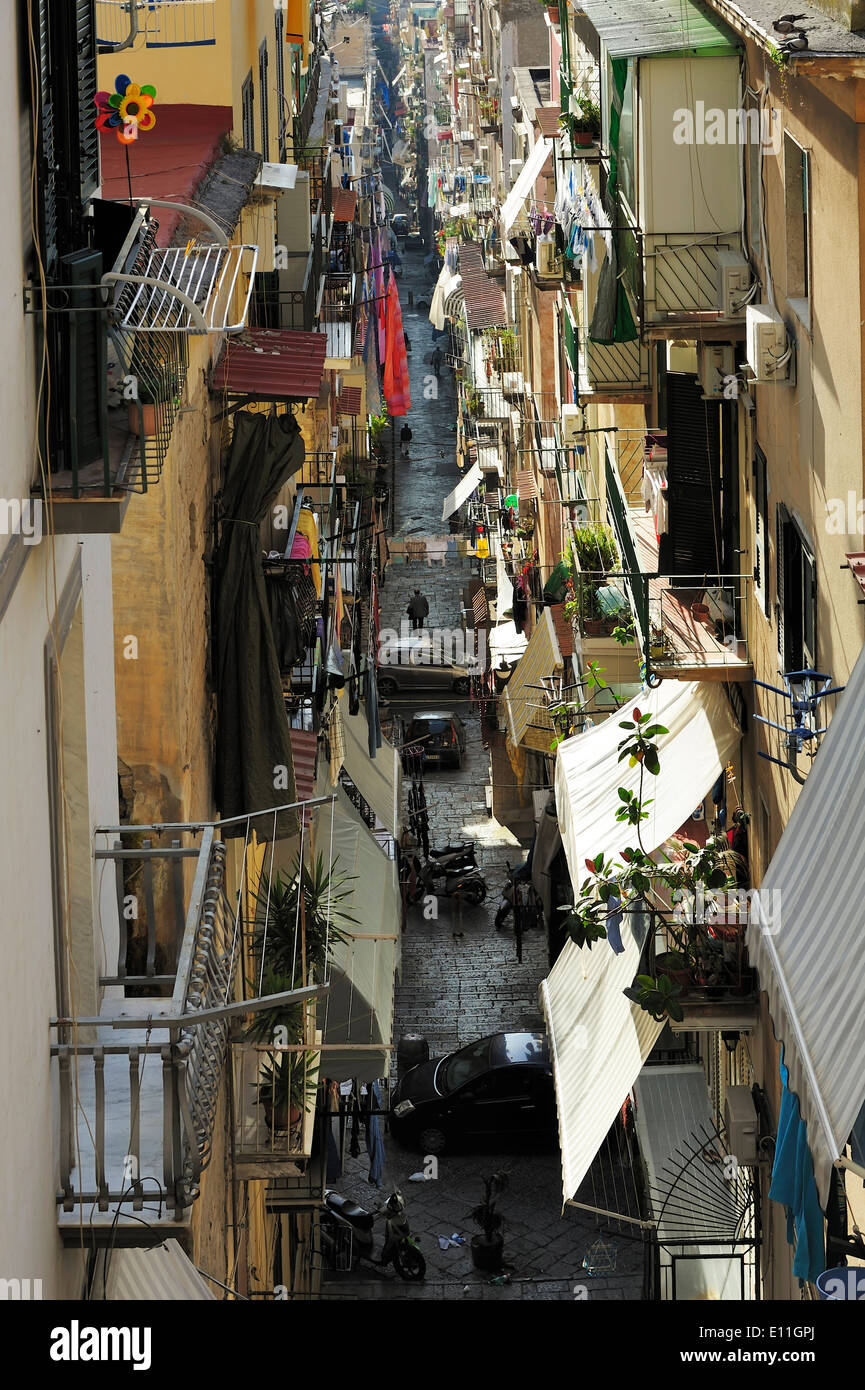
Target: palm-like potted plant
285,1089
488,1246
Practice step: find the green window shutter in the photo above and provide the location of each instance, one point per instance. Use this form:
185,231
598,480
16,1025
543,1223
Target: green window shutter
88,135
86,365
570,331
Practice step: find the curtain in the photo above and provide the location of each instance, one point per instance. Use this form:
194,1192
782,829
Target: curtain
252,742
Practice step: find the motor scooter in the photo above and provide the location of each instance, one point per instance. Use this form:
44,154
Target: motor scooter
347,1236
449,873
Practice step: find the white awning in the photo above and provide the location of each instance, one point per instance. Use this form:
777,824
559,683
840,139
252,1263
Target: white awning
599,1041
161,1273
538,156
506,644
462,492
806,937
356,1017
703,735
378,779
446,285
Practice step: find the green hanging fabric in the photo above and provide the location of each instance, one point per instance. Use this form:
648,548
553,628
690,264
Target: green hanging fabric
612,321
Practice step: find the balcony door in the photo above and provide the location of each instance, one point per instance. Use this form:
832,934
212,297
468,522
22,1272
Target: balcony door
694,437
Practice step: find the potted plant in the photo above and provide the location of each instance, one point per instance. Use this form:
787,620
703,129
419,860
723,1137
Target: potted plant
587,122
285,1089
487,1248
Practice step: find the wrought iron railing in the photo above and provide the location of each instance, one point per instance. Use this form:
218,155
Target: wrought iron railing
681,273
612,369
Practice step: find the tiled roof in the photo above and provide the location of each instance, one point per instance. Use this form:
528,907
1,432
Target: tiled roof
484,299
272,364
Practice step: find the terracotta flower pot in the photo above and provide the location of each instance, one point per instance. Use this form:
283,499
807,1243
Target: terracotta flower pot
148,412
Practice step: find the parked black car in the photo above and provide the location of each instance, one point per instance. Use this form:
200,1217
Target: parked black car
400,224
496,1090
440,737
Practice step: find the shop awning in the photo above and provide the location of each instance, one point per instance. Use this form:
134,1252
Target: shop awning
272,364
806,937
378,779
357,1016
527,695
161,1273
521,190
703,735
462,492
599,1041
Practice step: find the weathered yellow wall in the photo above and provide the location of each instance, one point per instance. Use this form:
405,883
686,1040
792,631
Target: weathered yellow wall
200,76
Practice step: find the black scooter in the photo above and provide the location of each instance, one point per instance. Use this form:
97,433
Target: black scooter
448,873
347,1236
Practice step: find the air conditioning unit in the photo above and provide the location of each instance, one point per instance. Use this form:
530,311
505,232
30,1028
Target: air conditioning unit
742,1125
734,281
573,432
716,363
766,344
548,454
514,167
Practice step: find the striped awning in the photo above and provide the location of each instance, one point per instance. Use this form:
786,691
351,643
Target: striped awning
806,937
599,1041
161,1273
528,692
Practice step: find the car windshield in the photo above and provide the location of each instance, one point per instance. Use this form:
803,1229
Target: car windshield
463,1066
433,726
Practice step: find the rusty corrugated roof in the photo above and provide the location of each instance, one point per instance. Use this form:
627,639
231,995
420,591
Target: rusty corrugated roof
547,117
484,299
272,364
348,401
344,204
304,749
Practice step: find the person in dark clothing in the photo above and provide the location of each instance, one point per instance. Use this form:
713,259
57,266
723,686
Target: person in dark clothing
437,359
404,440
417,609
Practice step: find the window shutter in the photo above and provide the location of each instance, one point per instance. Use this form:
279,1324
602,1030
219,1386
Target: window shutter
88,135
86,366
781,520
281,122
45,137
809,608
265,105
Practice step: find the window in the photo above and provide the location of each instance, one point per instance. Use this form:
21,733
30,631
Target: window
263,97
796,606
247,110
761,529
796,201
281,118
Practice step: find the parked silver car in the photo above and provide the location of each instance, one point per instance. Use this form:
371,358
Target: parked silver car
418,663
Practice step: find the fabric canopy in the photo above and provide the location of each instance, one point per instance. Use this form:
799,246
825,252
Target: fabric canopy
703,735
252,738
506,644
525,698
538,157
462,492
356,1017
446,282
806,937
163,1273
379,779
599,1041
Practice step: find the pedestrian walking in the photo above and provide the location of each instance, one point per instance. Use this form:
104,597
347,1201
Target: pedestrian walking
436,359
404,440
417,609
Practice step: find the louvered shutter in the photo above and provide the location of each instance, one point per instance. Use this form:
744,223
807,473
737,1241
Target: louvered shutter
781,521
693,477
86,367
809,608
88,135
45,135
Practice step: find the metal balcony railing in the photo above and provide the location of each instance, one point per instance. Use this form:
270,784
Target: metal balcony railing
160,23
137,1104
337,313
607,370
302,123
681,273
317,163
698,624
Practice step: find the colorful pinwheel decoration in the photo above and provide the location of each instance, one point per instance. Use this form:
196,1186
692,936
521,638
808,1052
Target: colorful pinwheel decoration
127,110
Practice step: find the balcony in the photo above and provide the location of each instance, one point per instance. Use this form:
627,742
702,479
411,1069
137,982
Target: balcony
274,1112
337,315
138,1086
702,950
180,24
611,371
681,280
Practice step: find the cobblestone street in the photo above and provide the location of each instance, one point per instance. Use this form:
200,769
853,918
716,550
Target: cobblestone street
460,978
